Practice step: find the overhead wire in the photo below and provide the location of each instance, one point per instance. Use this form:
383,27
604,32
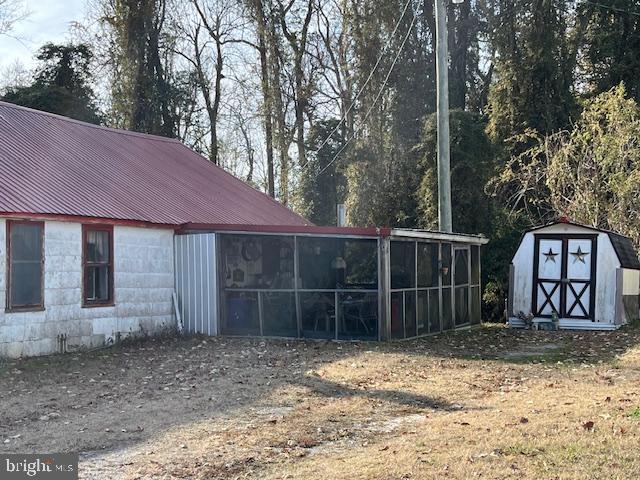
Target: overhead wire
348,141
364,86
611,7
380,92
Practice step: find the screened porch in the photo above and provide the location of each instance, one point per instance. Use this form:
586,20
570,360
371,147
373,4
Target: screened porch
333,284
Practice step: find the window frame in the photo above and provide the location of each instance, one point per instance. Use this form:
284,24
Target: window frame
9,307
110,302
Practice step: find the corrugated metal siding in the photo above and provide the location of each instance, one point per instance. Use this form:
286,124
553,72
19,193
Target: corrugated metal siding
196,282
54,165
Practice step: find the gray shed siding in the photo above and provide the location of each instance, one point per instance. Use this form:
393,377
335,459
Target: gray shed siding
196,283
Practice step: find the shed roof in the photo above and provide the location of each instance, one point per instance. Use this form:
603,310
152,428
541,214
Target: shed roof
623,246
53,165
625,251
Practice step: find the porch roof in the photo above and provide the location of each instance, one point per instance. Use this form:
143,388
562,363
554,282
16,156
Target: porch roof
382,232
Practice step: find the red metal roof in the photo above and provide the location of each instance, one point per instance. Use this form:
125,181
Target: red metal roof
52,165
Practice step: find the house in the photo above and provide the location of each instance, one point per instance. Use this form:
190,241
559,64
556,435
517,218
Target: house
107,233
589,278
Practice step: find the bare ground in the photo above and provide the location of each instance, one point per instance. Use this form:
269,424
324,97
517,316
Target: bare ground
490,403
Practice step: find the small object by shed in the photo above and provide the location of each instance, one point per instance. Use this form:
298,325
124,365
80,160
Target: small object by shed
589,278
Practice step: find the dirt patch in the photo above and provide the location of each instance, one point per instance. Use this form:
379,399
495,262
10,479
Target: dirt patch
543,351
488,403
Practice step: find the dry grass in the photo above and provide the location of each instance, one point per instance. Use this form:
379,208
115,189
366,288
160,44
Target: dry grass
492,403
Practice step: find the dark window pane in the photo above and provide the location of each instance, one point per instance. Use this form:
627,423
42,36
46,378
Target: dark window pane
26,242
423,312
434,311
462,305
475,305
277,262
26,264
358,316
279,314
241,314
462,267
447,314
475,265
361,258
427,264
446,263
26,284
318,315
321,263
410,314
97,246
260,262
329,263
397,315
403,267
97,287
97,272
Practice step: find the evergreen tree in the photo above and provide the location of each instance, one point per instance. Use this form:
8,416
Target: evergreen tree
382,178
143,98
62,84
322,184
533,82
531,95
611,46
472,159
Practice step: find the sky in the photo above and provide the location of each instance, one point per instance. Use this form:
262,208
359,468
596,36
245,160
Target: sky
48,21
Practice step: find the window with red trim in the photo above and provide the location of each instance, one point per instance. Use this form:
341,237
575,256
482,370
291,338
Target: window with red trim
25,261
97,265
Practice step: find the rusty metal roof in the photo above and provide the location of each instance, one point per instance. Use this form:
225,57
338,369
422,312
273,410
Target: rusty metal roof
53,165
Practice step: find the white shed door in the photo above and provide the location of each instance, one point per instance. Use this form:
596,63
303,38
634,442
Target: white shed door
549,277
564,276
578,278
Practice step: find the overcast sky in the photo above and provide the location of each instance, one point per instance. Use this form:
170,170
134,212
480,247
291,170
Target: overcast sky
48,22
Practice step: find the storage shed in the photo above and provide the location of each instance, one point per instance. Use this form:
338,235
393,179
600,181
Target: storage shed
588,277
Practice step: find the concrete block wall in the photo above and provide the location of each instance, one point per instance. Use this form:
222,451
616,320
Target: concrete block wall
143,287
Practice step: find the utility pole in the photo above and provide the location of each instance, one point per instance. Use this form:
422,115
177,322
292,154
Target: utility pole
442,72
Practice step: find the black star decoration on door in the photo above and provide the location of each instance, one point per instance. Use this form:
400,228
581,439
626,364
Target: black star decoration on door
551,257
579,255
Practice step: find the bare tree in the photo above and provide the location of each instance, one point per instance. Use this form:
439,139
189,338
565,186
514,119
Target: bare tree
333,54
258,13
14,75
295,28
11,12
219,19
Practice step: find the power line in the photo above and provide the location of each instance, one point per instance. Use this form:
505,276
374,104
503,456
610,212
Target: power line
361,91
348,141
384,84
611,7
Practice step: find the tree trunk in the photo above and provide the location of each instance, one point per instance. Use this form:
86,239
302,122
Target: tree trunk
266,94
279,113
215,110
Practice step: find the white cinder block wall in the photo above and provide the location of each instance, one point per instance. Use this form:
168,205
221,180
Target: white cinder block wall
143,286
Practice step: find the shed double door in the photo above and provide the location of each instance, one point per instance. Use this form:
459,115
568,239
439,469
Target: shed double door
565,276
